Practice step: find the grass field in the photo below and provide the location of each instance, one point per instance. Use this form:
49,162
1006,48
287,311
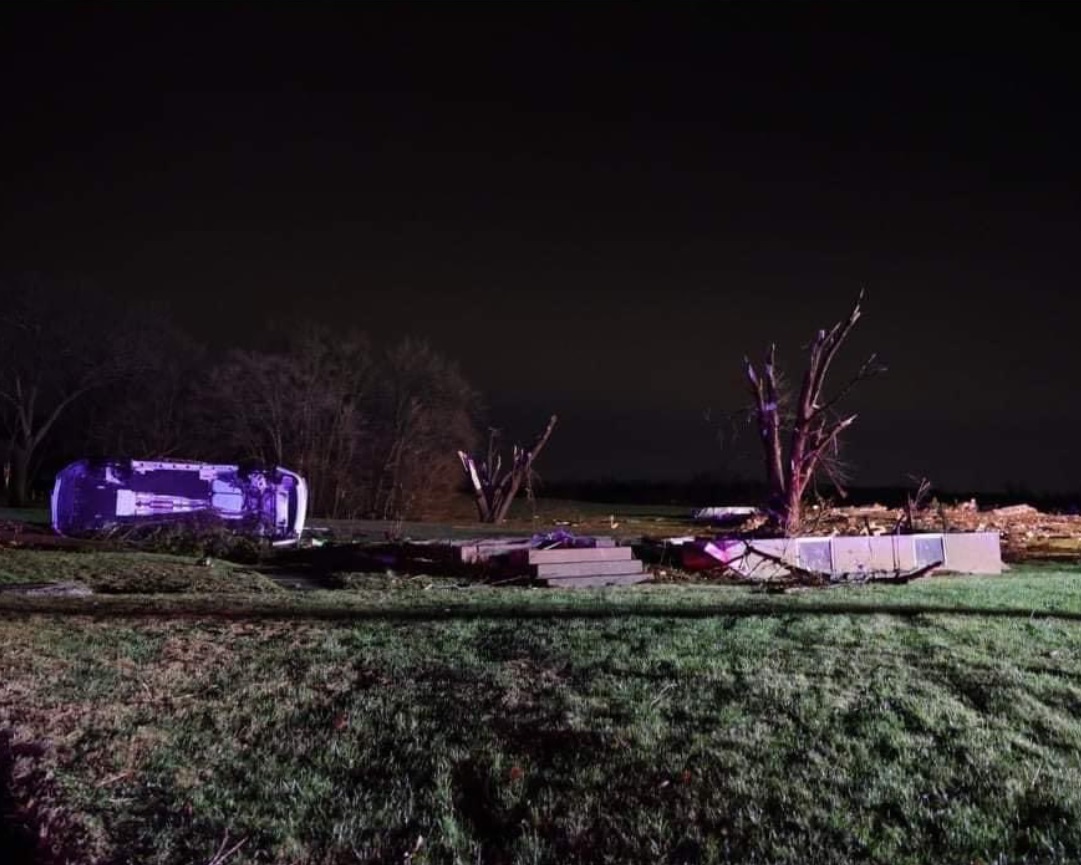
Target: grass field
130,573
939,721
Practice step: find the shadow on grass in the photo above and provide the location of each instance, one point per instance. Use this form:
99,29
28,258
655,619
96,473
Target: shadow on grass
17,837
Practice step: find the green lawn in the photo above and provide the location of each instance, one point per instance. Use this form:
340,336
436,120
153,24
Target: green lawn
486,725
130,572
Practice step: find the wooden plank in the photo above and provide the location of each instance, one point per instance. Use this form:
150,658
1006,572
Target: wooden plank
581,554
576,569
596,581
483,550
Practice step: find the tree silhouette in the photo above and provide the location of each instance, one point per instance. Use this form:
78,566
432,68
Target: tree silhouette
57,347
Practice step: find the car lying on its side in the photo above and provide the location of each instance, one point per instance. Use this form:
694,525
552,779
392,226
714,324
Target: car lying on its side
93,497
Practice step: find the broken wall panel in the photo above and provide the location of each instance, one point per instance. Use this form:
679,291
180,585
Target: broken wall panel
598,554
589,568
600,566
871,553
975,553
968,553
763,567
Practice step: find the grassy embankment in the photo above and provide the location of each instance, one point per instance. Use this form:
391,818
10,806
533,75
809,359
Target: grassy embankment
434,724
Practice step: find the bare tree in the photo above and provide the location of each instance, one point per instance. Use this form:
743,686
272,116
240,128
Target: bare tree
426,411
305,407
915,503
57,346
155,413
495,486
797,445
374,432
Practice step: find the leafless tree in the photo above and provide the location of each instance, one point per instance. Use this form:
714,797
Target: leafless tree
155,413
304,407
800,442
371,430
915,503
495,485
426,411
57,346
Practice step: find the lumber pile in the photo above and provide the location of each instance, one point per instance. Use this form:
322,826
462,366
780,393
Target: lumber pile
1025,530
586,567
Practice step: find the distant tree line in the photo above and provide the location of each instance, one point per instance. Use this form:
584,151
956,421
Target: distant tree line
374,428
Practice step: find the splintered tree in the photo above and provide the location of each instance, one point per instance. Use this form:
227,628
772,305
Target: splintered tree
811,429
496,485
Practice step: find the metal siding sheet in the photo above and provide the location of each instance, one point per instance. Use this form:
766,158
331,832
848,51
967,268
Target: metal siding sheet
975,553
905,552
884,556
851,555
865,553
972,553
763,569
816,554
928,549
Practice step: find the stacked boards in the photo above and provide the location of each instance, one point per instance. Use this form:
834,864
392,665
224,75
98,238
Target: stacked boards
587,567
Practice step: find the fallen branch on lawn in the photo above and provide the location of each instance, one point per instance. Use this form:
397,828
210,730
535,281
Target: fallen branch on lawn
222,855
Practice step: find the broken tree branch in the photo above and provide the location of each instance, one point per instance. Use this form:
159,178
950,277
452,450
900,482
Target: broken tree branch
493,488
797,577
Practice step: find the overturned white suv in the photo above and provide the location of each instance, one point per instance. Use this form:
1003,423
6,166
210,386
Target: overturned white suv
94,497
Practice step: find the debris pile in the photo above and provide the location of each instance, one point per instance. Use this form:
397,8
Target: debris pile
556,558
1026,532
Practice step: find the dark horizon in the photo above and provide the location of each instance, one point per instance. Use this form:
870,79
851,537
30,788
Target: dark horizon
706,491
596,211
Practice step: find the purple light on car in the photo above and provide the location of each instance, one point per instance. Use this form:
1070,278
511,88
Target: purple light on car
99,496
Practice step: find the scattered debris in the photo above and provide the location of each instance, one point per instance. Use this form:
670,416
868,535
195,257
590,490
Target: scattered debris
223,853
725,514
1013,512
556,558
826,557
792,576
1024,530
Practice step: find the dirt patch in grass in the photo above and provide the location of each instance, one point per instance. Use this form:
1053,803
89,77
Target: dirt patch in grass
37,825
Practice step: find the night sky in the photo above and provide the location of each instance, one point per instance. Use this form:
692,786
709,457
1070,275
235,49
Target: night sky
596,209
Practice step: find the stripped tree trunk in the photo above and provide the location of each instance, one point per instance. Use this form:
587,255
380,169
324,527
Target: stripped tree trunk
813,428
495,488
